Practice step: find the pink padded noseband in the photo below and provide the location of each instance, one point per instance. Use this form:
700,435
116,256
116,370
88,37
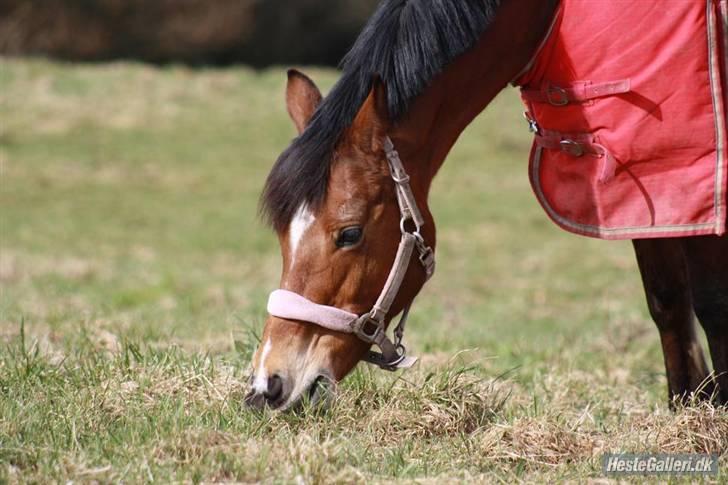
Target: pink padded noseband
287,304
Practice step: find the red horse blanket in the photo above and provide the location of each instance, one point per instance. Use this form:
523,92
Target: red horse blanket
628,102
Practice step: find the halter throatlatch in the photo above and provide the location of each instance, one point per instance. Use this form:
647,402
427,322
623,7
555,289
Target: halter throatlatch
371,326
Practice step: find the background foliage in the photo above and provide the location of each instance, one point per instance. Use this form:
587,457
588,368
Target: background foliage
258,32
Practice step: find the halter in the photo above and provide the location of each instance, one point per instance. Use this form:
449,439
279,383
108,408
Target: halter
371,326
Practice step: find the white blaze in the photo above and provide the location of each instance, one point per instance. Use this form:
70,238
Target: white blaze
260,384
300,223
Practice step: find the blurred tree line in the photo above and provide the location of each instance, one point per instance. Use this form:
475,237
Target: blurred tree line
258,32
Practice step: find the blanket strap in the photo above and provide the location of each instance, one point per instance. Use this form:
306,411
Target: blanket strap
576,92
578,144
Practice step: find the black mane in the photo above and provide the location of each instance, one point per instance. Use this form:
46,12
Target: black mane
405,42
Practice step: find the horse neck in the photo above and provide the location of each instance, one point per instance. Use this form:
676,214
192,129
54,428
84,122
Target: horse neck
462,90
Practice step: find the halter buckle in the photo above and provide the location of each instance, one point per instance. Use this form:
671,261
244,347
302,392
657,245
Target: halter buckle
427,258
426,254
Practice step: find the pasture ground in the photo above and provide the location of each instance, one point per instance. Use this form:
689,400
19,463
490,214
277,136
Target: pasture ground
134,277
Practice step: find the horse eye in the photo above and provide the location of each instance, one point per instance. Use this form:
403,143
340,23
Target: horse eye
349,237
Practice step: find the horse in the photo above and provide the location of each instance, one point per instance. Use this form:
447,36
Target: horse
348,200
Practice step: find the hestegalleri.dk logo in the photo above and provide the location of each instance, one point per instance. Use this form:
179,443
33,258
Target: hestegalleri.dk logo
659,464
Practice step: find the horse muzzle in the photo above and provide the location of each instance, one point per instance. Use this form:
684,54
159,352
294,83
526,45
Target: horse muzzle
283,393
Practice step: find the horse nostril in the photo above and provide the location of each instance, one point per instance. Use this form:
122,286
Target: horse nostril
275,389
272,396
254,400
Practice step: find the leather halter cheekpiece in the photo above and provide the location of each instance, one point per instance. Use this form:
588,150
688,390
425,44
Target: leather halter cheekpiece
371,326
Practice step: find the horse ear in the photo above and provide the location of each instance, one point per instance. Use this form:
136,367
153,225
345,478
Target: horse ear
302,98
372,121
379,100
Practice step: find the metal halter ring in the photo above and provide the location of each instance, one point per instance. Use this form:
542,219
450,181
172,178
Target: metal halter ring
360,328
403,230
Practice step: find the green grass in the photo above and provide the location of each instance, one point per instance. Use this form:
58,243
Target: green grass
134,276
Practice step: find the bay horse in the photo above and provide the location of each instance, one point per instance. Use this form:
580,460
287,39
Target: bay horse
349,202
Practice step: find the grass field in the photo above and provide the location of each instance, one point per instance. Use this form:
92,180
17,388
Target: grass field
135,273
